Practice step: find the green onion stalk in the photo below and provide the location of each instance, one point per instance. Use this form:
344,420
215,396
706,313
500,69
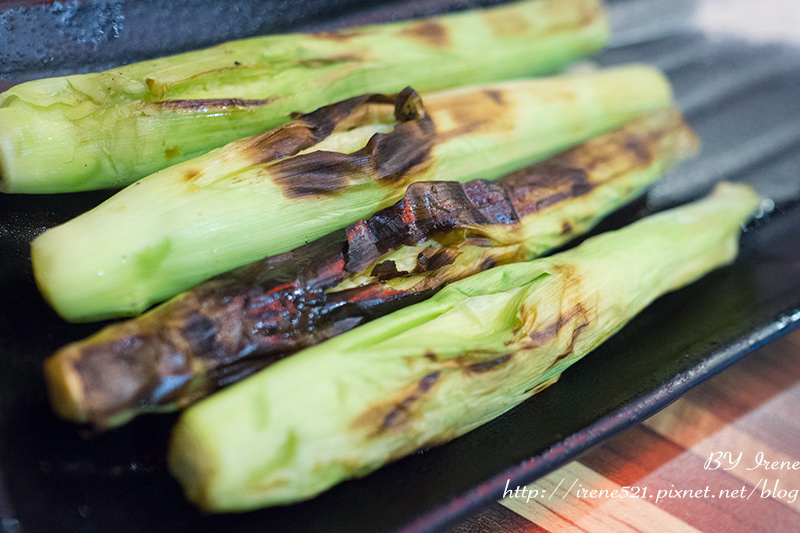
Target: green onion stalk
275,191
108,129
428,373
238,322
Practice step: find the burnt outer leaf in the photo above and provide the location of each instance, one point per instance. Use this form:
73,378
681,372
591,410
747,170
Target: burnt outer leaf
239,322
387,157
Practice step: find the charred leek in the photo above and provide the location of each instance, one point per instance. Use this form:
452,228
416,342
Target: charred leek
239,322
110,128
273,192
435,370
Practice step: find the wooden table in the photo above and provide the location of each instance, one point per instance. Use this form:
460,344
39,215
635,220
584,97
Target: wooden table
724,457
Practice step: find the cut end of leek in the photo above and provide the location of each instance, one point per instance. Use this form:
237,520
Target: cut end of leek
65,388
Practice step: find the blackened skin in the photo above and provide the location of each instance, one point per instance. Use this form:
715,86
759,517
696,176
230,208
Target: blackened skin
239,322
387,158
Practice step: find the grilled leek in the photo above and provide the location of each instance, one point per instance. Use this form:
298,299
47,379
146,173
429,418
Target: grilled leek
273,192
425,374
107,129
239,322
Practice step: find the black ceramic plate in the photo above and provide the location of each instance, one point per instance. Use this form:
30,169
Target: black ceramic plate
740,94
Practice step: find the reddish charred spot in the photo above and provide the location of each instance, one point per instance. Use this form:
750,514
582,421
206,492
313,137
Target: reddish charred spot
440,211
485,366
192,174
429,32
495,95
171,152
566,228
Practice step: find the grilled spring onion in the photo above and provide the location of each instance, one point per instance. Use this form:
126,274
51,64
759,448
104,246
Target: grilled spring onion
239,322
425,374
108,129
271,193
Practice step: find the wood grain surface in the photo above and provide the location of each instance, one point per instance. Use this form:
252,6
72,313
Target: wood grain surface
725,457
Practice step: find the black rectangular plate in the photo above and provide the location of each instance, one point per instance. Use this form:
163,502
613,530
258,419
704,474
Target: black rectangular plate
740,95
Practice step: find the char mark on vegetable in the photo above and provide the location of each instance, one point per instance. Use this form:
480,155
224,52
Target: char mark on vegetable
159,370
400,411
428,32
428,210
549,332
386,270
578,171
430,259
546,185
573,339
210,104
315,173
485,366
319,62
489,262
640,148
495,95
484,112
306,130
241,321
199,333
192,174
387,158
